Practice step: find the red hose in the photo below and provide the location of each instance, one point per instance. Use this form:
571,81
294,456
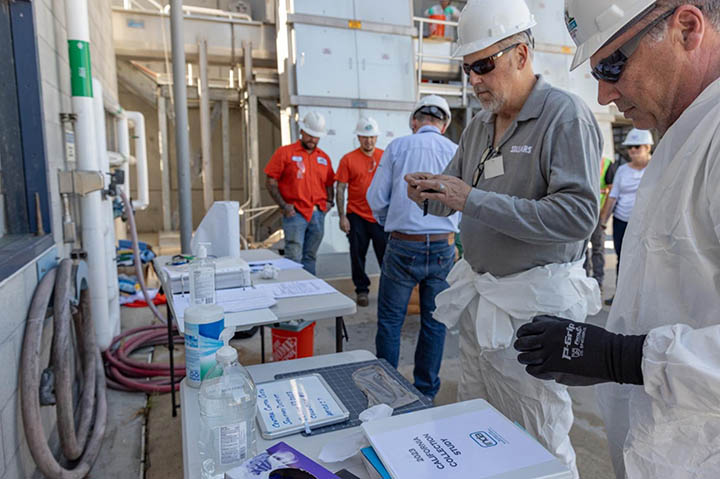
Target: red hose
127,374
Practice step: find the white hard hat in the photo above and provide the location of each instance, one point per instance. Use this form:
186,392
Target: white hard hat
638,137
313,124
485,22
592,23
433,101
367,127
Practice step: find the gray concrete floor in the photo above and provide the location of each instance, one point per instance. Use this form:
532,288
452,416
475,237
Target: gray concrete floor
121,452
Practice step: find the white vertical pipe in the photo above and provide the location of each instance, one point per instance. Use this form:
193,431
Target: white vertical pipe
141,166
226,149
164,161
107,207
205,131
122,131
78,32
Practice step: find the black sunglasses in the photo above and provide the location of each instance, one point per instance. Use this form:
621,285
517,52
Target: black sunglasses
487,64
610,69
488,154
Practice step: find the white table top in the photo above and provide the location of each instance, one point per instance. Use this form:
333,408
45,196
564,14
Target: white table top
310,446
310,308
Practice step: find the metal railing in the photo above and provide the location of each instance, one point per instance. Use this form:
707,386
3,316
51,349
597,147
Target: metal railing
188,10
420,55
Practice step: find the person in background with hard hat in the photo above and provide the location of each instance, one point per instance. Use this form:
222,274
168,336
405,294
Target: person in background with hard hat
354,174
595,260
658,62
420,249
625,185
442,11
526,179
300,179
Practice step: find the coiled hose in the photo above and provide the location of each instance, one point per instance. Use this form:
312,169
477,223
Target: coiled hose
93,404
124,373
129,375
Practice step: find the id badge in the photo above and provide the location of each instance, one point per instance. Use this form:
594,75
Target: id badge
494,167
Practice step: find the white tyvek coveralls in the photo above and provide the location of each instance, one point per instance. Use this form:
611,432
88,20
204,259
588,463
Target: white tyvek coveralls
669,289
490,311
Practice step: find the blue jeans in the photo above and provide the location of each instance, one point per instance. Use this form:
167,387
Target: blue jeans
406,264
303,238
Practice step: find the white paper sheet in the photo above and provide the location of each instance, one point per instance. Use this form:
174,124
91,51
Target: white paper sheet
232,300
478,444
294,289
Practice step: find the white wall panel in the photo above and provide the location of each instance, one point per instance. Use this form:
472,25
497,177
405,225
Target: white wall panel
326,8
393,124
340,140
555,67
379,11
386,67
326,62
550,17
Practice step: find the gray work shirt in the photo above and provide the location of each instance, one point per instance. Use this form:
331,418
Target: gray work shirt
544,206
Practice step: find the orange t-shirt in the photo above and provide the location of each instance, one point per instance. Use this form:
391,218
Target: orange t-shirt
302,177
357,170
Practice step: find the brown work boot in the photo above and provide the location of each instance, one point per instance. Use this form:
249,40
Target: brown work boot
362,299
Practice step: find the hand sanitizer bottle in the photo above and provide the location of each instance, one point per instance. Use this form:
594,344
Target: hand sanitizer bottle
202,278
227,400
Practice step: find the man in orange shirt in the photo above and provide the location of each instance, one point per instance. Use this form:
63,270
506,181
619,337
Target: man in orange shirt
300,179
355,174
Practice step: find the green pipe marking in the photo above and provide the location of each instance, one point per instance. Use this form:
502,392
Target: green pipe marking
80,73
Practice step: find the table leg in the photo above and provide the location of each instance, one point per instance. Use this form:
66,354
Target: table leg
340,332
262,344
171,351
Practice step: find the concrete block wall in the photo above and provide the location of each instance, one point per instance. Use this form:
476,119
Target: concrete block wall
16,291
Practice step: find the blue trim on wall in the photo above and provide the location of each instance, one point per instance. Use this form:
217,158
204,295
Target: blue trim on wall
13,175
30,109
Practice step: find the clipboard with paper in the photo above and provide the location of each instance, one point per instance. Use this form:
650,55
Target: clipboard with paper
288,406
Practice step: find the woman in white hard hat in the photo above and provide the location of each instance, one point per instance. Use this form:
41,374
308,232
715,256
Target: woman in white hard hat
625,185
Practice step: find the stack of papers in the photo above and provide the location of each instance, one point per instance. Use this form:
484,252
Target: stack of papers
232,300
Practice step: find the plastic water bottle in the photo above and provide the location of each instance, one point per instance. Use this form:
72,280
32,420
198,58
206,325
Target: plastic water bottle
202,278
227,411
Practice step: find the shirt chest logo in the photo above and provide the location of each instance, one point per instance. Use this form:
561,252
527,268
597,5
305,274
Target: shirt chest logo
526,149
322,161
297,159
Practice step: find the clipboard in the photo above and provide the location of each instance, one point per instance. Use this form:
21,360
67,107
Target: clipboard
284,406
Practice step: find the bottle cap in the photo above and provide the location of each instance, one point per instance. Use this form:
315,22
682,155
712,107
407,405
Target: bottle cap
227,353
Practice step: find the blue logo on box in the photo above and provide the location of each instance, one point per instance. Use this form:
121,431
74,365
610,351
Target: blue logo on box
483,439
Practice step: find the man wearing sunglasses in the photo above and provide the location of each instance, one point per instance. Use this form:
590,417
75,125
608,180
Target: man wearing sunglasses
527,182
658,62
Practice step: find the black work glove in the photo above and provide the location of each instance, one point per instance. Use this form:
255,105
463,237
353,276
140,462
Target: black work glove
578,354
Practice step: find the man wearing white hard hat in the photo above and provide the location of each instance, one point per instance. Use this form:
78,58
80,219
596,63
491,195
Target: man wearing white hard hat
625,185
421,249
354,174
658,62
527,182
300,178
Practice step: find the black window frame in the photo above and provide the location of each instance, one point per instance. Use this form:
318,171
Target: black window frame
22,141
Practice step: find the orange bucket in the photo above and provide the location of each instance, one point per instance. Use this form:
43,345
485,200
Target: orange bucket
293,340
435,29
